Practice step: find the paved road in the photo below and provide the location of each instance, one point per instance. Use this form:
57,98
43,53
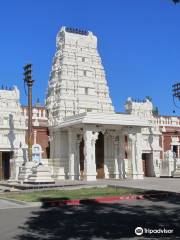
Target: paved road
92,221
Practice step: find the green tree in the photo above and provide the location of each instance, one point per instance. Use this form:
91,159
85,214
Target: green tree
155,110
149,98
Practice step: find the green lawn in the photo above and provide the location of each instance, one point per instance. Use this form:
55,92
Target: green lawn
72,194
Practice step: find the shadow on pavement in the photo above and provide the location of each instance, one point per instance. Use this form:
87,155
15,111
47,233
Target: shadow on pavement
92,220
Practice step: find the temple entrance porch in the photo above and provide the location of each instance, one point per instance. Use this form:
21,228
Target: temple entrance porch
92,153
100,155
94,146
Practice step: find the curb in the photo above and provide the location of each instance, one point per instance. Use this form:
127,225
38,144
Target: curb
22,203
60,202
54,203
14,201
88,201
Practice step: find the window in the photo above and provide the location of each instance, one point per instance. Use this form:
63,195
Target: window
86,90
83,59
175,150
85,73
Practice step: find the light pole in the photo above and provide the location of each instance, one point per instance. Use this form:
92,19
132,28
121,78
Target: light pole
176,1
28,80
176,93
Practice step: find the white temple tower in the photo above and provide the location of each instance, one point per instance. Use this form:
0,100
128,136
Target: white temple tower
87,138
77,81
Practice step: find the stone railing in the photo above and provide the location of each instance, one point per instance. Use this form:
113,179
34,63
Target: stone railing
167,121
37,113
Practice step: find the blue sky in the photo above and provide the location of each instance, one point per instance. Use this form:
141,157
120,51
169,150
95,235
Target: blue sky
138,40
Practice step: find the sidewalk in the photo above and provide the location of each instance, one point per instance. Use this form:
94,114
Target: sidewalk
149,183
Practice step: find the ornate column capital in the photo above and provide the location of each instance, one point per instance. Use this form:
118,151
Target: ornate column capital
94,137
114,135
132,137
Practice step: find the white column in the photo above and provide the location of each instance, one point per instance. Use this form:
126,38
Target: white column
89,155
136,155
121,156
35,136
139,164
77,161
133,155
129,160
106,162
116,157
72,154
162,143
155,161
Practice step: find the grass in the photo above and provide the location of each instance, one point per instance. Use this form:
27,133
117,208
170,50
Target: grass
72,194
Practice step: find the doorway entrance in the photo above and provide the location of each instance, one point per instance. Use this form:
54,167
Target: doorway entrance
100,156
175,150
5,165
81,159
147,164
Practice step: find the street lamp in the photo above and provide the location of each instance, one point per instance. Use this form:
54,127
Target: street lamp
28,80
176,1
176,92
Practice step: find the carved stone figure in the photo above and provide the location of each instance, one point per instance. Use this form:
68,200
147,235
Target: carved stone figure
15,164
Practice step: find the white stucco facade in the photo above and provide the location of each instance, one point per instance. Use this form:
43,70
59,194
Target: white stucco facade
12,134
12,123
80,110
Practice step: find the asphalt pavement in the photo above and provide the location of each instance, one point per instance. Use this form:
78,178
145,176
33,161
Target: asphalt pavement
91,221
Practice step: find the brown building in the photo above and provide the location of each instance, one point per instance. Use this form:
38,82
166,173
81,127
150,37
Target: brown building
40,128
170,138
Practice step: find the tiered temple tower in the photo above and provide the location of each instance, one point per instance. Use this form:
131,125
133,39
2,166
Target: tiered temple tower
77,81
